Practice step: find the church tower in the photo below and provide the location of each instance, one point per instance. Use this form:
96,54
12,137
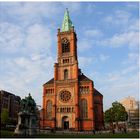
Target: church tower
67,66
68,98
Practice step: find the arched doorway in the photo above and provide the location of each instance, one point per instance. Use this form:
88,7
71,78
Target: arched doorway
65,122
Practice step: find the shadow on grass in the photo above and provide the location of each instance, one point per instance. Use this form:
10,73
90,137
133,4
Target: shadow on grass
9,134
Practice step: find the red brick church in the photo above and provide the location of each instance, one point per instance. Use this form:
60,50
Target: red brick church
70,101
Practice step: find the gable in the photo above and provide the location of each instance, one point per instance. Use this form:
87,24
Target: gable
51,81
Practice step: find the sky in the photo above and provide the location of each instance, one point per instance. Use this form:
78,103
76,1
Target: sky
108,46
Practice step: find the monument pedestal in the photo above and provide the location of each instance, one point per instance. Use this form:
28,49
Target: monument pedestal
27,124
27,118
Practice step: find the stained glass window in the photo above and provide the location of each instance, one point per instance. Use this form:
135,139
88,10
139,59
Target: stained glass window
84,109
65,96
49,109
65,74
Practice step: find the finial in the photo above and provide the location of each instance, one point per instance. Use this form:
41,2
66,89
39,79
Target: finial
72,27
58,29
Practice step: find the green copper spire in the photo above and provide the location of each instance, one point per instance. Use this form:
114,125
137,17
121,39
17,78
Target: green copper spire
67,24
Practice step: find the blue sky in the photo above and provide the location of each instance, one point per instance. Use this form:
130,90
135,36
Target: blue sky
108,46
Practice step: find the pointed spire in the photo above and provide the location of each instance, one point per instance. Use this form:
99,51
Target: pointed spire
67,24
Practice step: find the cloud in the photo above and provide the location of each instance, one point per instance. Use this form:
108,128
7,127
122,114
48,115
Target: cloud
132,5
121,21
26,13
117,84
132,59
103,57
11,37
124,28
89,38
26,58
86,61
90,8
73,7
134,26
122,15
130,69
14,39
125,39
26,75
120,18
95,33
124,32
84,44
89,62
38,37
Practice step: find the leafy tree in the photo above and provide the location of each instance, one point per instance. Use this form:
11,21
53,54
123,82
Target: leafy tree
119,112
116,113
4,116
108,116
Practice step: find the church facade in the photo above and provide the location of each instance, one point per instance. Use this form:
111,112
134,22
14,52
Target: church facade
70,101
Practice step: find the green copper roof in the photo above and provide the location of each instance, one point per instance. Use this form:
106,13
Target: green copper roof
67,24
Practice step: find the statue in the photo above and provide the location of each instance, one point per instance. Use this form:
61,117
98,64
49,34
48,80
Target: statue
27,117
28,105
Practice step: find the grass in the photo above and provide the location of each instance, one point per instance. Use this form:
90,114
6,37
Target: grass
10,134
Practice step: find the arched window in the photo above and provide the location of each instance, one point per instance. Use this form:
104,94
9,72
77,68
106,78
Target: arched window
49,109
84,109
65,46
65,74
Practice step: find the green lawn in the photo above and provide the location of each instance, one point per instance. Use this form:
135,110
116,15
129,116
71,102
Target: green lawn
9,134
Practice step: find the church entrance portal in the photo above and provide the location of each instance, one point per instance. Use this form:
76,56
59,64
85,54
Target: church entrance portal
65,123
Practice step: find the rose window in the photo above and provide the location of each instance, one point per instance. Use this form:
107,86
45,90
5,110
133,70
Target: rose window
65,96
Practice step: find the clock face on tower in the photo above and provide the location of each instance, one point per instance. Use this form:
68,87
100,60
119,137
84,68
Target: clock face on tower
65,96
65,41
65,45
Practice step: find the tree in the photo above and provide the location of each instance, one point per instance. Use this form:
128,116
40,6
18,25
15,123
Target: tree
119,112
4,117
108,116
115,114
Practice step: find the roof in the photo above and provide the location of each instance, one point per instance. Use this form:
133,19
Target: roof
67,24
50,81
7,94
97,93
82,77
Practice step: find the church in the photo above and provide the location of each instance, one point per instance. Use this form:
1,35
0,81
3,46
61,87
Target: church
70,101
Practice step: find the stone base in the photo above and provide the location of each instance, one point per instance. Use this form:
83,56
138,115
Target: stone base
26,132
27,124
